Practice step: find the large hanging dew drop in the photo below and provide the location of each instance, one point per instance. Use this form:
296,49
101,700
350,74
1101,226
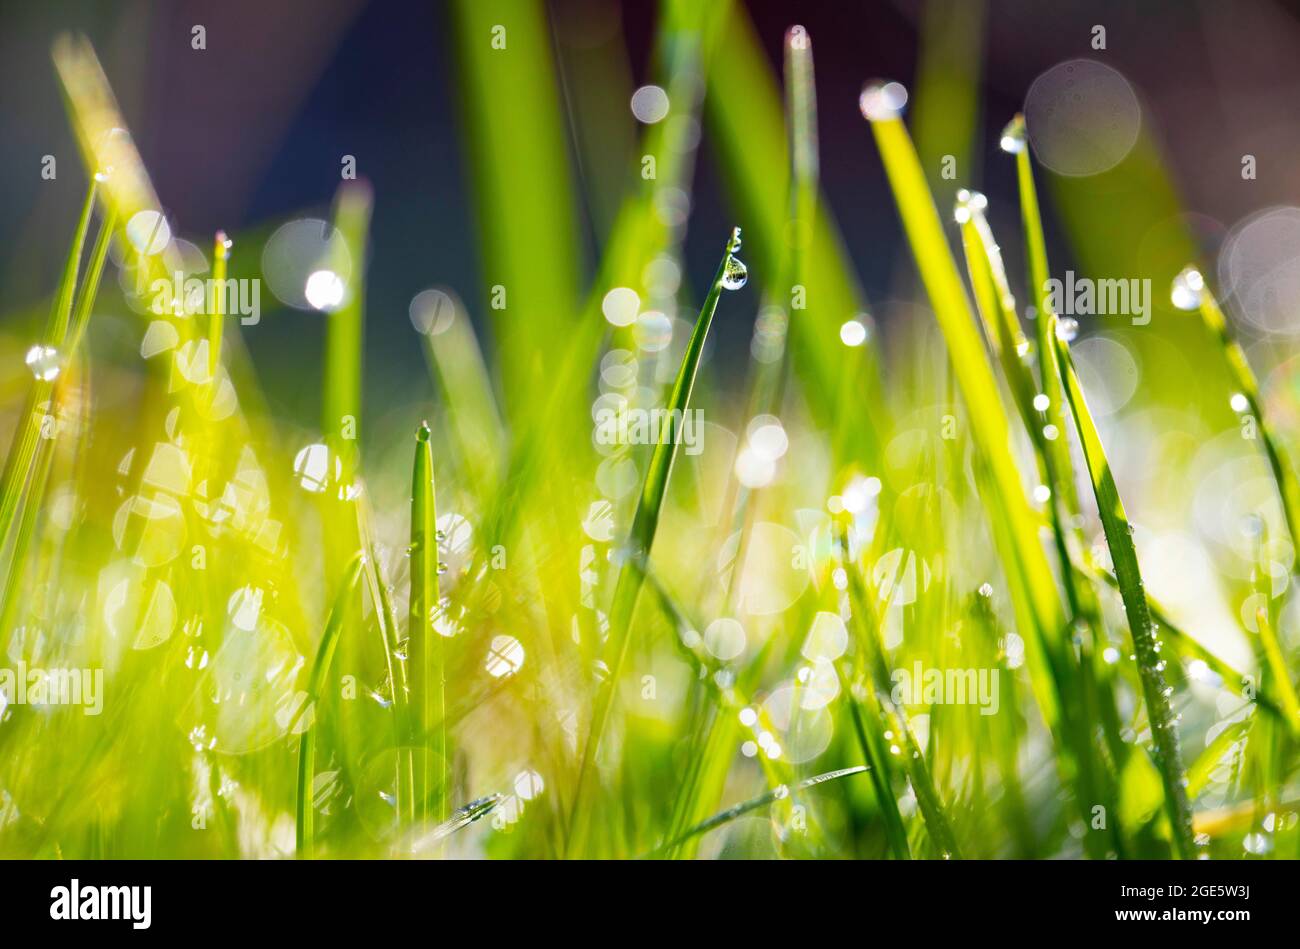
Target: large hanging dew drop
734,274
1187,289
882,100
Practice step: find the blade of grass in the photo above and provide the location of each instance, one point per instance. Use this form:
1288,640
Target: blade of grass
1092,698
1123,554
644,524
1239,369
220,254
305,811
425,646
753,804
1276,662
1030,575
23,448
32,451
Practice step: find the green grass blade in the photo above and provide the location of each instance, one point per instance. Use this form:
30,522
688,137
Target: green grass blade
1244,378
1275,660
23,448
753,804
751,148
425,645
1028,571
1123,554
645,522
305,807
345,331
216,319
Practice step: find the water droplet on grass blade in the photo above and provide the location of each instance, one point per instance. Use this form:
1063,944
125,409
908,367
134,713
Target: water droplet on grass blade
1067,329
882,100
734,274
1014,138
324,290
43,361
969,203
1187,289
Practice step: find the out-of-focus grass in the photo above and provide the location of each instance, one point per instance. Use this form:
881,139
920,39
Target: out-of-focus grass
615,650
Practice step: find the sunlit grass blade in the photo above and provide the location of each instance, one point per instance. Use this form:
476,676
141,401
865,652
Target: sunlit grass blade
1185,645
645,522
464,816
425,647
345,328
753,804
1123,554
1014,140
334,625
1275,660
1034,590
1190,290
23,447
216,319
752,152
456,364
31,452
1090,694
528,234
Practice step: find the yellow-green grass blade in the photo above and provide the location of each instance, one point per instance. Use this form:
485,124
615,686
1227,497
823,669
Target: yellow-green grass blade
1200,771
645,522
31,453
522,183
753,804
1014,139
216,319
1186,645
1275,660
1244,379
425,648
1092,696
22,449
752,152
345,329
948,85
305,806
1034,589
1123,554
456,364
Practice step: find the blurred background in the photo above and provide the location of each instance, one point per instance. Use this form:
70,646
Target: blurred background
251,130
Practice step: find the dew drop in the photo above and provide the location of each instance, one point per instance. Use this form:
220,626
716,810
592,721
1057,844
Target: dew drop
969,203
1187,289
734,274
43,361
882,100
1067,329
1013,136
